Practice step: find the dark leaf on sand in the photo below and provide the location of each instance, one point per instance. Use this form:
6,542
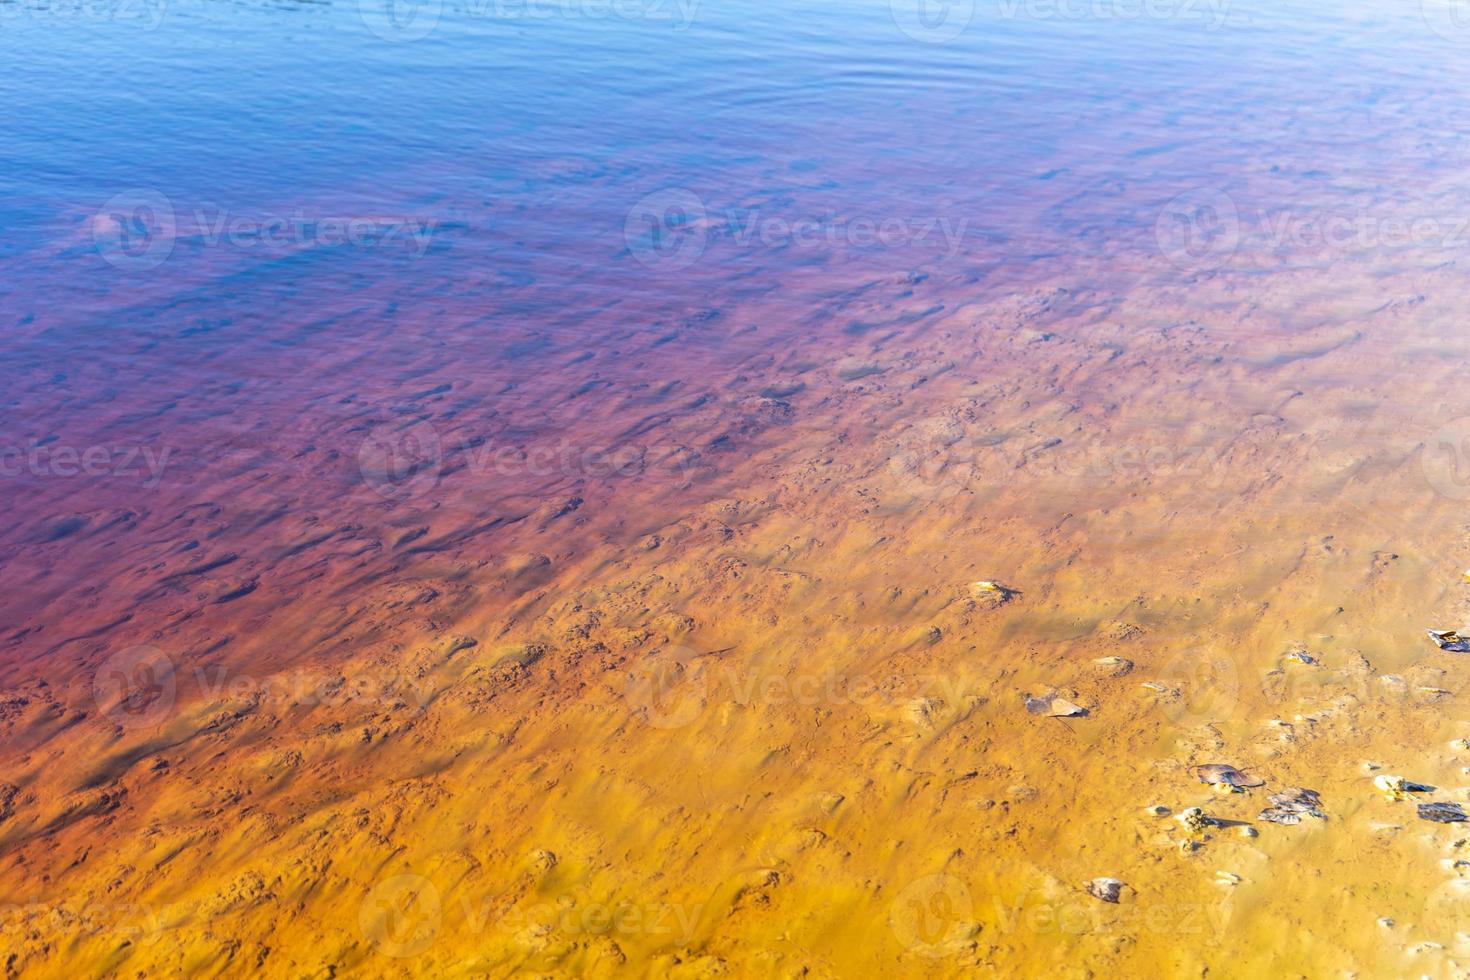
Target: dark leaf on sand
1441,812
1053,706
1221,774
1291,804
1450,640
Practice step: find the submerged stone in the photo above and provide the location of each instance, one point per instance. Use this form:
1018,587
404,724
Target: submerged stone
1450,640
1219,774
1054,706
1442,812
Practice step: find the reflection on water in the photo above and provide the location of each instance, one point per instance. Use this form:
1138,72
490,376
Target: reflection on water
532,457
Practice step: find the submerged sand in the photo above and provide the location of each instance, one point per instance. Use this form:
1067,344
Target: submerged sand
695,681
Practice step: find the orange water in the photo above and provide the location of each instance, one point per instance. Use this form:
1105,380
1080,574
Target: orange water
577,581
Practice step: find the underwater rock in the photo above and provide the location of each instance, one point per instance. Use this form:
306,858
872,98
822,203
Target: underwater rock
1220,774
992,591
1394,787
920,712
1442,812
1054,706
1112,666
1106,889
1291,804
1450,640
1399,788
1194,820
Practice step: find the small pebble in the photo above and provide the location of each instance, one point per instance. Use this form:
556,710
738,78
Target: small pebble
1249,832
1386,922
1158,810
1113,666
1105,889
1194,820
1394,787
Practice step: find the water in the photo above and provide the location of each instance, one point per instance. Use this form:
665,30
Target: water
693,358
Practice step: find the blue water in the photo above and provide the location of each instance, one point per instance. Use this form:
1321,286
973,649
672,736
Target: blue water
532,130
259,185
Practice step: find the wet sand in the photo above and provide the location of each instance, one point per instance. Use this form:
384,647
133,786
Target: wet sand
701,686
558,602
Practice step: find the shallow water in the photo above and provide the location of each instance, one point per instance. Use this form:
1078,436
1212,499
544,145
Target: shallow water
496,488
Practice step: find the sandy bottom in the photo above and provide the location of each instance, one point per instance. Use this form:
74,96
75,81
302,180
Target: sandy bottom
484,653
